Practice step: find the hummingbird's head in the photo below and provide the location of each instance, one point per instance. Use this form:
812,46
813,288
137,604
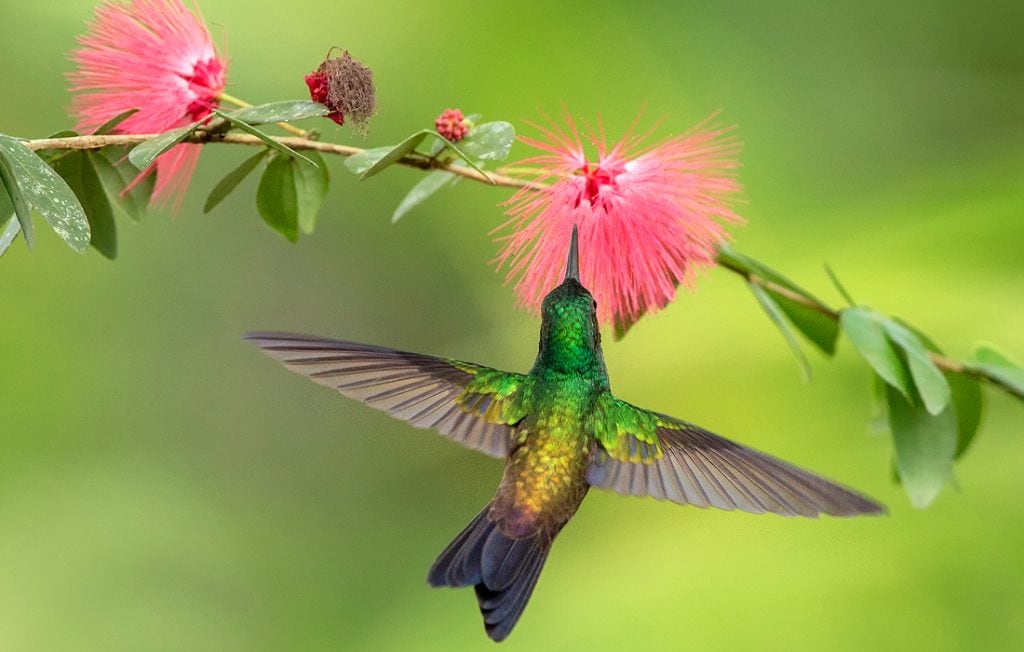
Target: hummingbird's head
570,339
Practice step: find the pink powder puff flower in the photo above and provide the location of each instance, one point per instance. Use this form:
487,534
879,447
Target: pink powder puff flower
649,218
155,56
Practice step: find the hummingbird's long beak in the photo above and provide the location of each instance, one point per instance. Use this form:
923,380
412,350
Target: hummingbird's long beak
572,266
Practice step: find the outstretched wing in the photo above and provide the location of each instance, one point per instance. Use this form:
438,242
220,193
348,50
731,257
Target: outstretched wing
468,403
640,452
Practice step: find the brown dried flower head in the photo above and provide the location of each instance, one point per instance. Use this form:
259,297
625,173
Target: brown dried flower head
345,86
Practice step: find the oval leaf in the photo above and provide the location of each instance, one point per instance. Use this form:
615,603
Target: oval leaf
231,181
275,198
462,155
820,329
364,160
266,138
1000,368
143,154
109,126
775,314
8,233
394,154
925,446
16,197
77,170
968,402
113,184
287,111
490,141
6,207
868,337
47,192
311,184
930,383
423,189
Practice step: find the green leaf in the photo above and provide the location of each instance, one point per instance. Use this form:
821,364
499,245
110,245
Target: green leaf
879,409
839,286
109,126
47,192
364,160
423,189
9,228
311,183
233,178
490,141
929,381
276,200
968,401
1000,368
266,138
894,472
9,232
462,155
77,170
142,185
775,313
287,111
925,446
988,354
394,154
819,328
868,336
6,207
17,199
143,191
731,258
143,154
113,184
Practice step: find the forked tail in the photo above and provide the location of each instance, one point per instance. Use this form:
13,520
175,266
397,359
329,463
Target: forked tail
503,570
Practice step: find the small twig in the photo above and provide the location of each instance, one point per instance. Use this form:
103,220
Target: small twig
941,361
204,137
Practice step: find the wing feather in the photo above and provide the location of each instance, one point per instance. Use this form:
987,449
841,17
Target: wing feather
670,459
425,391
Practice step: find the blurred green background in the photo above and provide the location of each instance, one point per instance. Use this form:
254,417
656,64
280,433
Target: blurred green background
164,486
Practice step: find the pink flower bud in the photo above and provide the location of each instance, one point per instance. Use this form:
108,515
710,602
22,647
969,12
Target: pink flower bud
452,125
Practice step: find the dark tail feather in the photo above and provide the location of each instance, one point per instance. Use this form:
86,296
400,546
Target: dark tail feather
503,571
459,564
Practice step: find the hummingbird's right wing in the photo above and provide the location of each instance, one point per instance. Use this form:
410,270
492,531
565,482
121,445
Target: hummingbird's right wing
639,452
466,402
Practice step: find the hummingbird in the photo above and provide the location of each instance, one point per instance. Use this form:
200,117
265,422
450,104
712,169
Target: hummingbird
560,431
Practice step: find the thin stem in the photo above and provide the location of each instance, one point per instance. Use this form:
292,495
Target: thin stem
242,104
206,137
231,99
941,361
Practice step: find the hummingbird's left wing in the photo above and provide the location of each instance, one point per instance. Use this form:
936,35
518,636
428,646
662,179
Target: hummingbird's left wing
639,452
466,402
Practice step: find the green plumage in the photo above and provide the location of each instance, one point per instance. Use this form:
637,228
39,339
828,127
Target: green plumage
561,431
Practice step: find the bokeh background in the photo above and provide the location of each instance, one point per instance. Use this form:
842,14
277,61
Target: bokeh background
164,486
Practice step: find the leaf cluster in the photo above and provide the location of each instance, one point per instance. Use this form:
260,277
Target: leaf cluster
932,412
